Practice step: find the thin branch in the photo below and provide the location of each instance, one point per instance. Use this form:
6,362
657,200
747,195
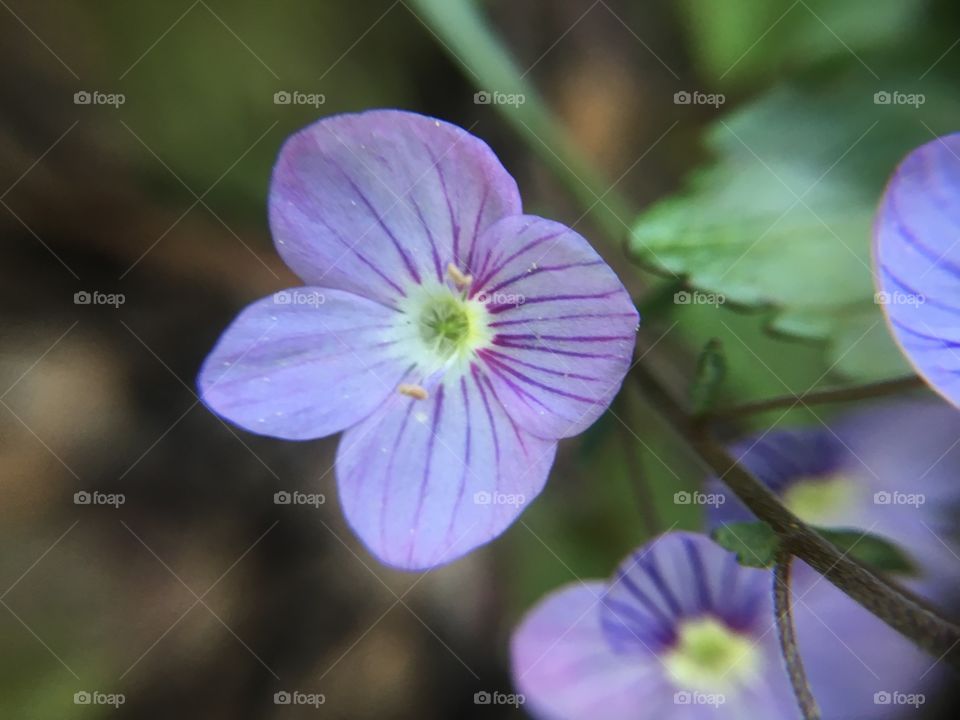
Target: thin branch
931,632
819,397
788,638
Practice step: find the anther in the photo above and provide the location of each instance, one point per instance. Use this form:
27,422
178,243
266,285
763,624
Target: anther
417,392
459,279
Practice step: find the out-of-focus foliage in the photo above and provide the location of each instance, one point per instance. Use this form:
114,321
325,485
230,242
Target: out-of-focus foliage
736,42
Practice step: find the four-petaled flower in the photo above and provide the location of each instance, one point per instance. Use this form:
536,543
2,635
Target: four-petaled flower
454,338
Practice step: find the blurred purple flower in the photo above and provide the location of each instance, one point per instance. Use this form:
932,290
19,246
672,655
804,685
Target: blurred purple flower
683,632
680,631
453,338
890,470
917,259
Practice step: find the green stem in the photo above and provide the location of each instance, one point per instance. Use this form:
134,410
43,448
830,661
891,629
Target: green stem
783,610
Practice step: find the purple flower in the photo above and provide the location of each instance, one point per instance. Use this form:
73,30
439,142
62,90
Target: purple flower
889,470
917,259
680,631
452,337
683,632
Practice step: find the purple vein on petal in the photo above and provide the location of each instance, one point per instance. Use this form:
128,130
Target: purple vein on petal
454,225
383,226
496,309
555,351
488,276
541,269
351,247
572,316
468,431
529,380
566,338
431,443
476,229
699,572
650,565
493,432
624,579
389,472
549,371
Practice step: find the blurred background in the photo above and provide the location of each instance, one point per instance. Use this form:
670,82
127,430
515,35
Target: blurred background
136,146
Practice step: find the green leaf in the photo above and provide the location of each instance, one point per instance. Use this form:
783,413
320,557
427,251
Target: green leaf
873,551
711,372
737,41
754,543
783,216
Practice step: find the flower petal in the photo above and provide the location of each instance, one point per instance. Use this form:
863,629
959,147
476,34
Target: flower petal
681,575
375,201
917,257
423,482
304,363
564,666
564,326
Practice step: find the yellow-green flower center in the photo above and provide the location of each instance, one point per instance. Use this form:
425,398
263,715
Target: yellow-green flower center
441,328
711,657
820,501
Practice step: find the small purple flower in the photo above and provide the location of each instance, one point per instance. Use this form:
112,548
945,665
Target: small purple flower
680,631
683,632
917,258
452,337
890,470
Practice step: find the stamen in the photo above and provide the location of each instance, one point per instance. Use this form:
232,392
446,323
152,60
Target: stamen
459,279
417,392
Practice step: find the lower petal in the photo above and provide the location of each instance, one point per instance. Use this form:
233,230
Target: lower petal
424,481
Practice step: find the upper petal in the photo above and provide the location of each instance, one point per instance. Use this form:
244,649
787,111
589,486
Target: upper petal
563,325
304,363
374,201
917,257
423,482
